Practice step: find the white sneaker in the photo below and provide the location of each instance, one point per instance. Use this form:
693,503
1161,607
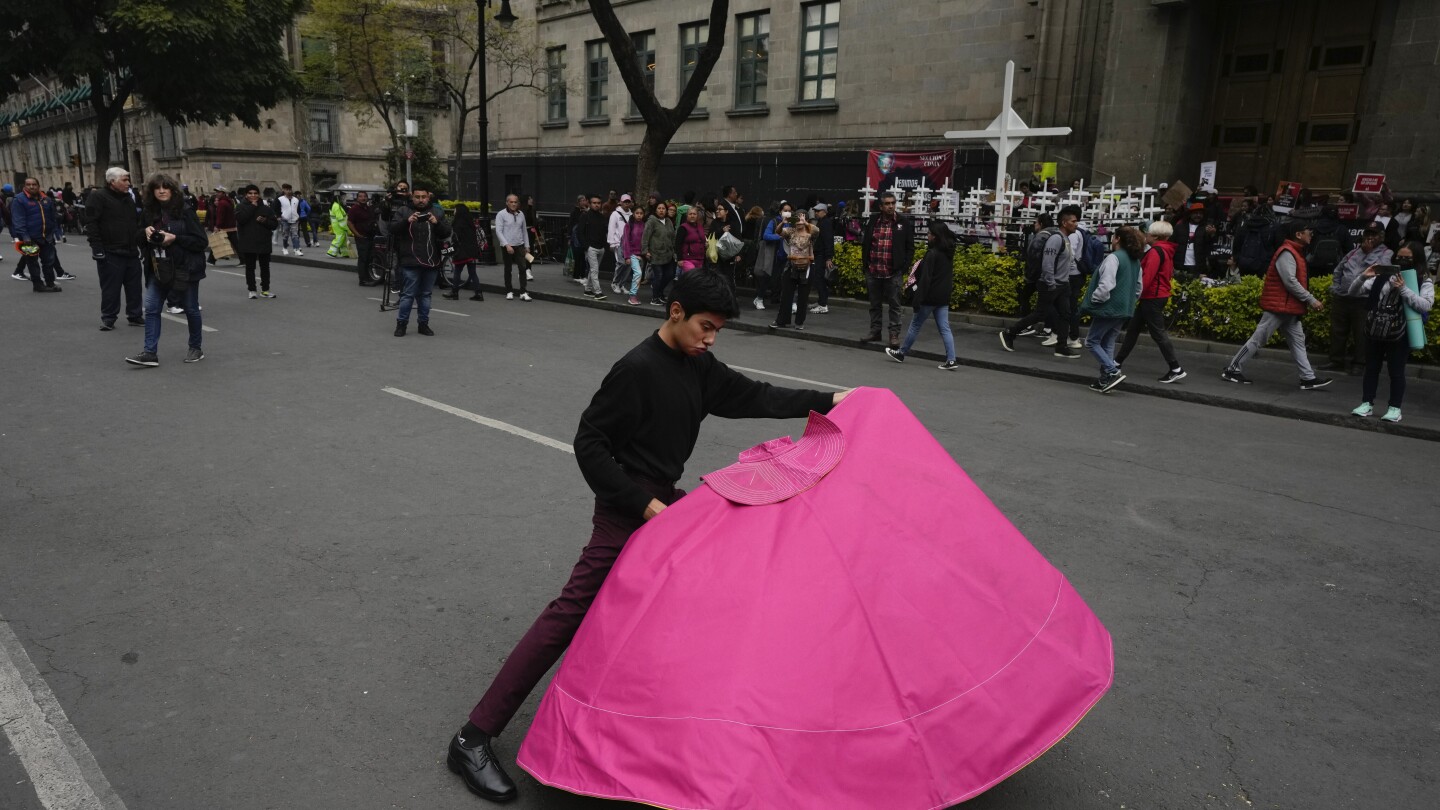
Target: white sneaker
1391,415
1050,341
526,297
284,251
794,308
759,304
298,253
1075,344
511,296
529,276
175,310
254,294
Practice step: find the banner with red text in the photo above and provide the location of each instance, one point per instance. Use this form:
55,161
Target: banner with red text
887,170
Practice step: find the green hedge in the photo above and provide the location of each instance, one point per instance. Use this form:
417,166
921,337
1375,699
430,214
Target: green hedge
990,283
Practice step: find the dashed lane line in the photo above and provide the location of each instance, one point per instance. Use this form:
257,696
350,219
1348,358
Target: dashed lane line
792,379
177,319
483,420
435,309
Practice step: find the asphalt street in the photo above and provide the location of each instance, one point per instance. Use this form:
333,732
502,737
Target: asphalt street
266,581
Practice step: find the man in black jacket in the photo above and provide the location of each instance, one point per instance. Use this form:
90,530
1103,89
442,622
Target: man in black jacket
416,232
113,224
887,245
824,258
594,227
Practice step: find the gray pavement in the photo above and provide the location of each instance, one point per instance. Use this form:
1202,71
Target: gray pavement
262,581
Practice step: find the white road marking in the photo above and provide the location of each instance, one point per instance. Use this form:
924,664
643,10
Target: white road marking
483,420
177,319
61,768
226,272
433,309
793,379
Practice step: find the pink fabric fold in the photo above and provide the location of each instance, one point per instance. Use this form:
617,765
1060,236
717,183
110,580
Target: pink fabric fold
885,638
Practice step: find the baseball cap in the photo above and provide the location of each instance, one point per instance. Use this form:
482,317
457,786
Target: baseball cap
821,207
626,198
781,468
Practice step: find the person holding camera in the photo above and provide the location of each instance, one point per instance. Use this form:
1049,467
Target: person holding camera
1386,295
416,232
113,229
799,240
255,222
174,263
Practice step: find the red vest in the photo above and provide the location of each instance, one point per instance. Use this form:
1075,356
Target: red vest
1274,297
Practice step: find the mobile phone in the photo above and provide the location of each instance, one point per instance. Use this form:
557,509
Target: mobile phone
1386,270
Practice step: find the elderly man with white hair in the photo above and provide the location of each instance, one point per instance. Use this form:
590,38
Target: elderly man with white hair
113,223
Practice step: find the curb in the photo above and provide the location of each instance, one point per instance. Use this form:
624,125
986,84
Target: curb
1342,420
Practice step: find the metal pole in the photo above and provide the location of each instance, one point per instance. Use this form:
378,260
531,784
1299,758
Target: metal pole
408,180
480,6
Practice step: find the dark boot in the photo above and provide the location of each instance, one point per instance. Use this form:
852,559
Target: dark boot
872,337
453,295
894,339
400,328
425,329
478,296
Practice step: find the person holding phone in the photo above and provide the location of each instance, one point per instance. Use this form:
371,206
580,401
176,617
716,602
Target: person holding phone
1386,296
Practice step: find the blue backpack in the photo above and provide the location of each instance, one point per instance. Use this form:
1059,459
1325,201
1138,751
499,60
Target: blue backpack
1092,252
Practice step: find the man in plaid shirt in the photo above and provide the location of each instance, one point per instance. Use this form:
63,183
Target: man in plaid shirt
887,244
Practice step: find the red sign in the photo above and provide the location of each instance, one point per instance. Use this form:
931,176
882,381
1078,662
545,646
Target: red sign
1348,211
888,170
1286,196
1369,183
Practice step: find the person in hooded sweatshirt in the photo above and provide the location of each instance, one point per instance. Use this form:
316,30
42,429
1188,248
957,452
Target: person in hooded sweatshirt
1157,268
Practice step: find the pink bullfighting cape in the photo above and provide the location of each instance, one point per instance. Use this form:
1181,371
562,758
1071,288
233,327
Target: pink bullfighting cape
857,628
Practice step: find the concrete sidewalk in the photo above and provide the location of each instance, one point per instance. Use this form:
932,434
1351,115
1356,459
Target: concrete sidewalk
1276,391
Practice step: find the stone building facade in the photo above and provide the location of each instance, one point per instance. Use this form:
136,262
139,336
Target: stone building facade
1274,91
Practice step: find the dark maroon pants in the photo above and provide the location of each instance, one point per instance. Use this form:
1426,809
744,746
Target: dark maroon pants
552,632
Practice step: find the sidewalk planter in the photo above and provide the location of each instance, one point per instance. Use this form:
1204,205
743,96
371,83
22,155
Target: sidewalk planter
990,283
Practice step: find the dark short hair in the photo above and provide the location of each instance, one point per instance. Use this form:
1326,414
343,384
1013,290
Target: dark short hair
1374,229
419,185
250,188
286,187
1295,226
1045,220
705,291
1070,211
888,195
725,190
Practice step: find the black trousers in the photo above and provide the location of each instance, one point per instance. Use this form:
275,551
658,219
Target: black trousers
514,261
794,289
364,248
1347,329
250,260
1027,292
1393,353
1077,290
117,273
1149,315
1053,309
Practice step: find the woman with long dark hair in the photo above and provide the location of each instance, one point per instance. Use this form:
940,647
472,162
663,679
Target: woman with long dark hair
1386,341
174,262
657,242
467,253
770,253
934,282
1110,301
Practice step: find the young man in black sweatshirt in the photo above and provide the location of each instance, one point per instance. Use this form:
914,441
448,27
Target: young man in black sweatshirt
632,445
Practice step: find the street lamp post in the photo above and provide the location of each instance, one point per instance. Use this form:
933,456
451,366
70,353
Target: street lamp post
506,18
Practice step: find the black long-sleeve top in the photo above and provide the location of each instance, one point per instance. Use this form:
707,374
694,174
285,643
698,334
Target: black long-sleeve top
645,418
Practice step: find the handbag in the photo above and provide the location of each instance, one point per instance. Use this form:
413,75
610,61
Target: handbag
729,246
712,248
764,261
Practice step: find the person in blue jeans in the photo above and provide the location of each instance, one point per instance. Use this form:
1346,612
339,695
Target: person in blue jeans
416,231
174,264
933,281
1110,301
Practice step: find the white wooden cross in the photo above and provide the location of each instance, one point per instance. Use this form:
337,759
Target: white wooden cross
1006,132
867,194
920,199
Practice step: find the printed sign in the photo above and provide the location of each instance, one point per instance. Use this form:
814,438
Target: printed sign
1207,175
889,170
1348,211
1043,173
1286,196
1369,183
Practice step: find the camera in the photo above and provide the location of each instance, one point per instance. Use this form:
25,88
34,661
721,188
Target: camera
157,237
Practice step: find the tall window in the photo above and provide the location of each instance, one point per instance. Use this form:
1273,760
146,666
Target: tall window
555,96
322,130
821,51
644,43
752,63
597,79
692,39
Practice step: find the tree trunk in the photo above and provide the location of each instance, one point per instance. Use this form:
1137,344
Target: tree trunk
647,162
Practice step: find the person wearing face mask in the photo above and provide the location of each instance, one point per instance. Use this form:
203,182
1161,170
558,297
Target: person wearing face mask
1347,309
1386,296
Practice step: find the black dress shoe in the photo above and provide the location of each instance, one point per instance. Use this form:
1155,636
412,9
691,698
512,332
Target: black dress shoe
481,771
477,297
452,296
425,329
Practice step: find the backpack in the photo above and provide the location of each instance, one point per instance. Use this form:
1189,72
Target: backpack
1092,252
1255,249
1035,253
1325,251
1386,318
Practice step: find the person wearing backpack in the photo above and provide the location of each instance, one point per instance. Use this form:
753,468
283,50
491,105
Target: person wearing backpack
1347,309
1283,300
1252,248
1054,286
1110,302
1331,242
1042,230
1386,298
